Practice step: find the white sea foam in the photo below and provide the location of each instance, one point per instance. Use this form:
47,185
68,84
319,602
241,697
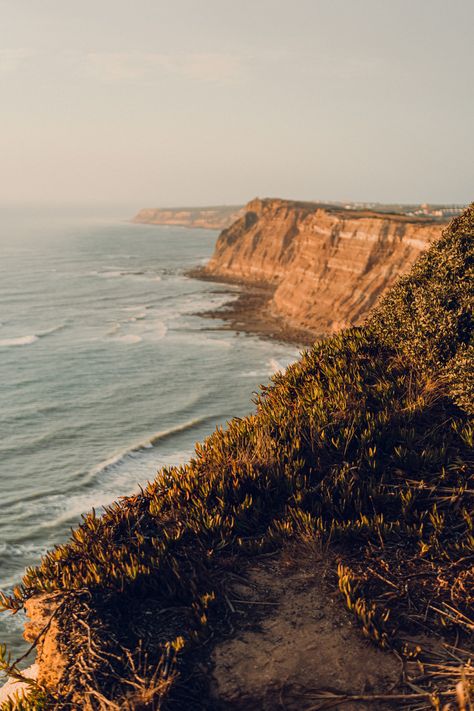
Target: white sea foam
156,330
20,341
119,475
147,443
110,275
30,338
129,338
137,307
275,366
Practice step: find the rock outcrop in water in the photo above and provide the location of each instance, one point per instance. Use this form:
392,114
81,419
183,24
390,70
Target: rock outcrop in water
211,218
327,265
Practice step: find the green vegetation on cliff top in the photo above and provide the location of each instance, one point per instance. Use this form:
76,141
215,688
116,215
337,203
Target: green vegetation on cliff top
364,444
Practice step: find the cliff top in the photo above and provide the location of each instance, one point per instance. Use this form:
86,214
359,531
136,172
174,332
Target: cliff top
362,449
384,212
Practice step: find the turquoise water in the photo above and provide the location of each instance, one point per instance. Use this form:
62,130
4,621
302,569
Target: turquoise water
106,370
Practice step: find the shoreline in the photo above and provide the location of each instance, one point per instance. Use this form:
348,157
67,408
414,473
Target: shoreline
248,313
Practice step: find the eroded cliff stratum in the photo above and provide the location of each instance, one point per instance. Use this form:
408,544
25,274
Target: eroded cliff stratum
326,266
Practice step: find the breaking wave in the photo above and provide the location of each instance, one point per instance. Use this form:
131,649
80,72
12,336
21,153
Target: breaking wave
30,338
149,443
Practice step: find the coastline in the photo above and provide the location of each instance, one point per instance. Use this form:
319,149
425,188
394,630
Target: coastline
184,225
250,312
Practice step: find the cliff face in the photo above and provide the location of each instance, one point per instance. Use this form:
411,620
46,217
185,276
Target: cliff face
211,218
328,265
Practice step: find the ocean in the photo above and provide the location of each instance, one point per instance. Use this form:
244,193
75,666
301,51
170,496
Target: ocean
107,370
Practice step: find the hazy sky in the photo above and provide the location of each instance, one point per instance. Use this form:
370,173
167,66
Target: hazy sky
182,102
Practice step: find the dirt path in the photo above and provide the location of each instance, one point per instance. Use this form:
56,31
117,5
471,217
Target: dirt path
296,639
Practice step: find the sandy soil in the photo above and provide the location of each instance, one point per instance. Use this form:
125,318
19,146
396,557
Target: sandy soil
13,688
295,643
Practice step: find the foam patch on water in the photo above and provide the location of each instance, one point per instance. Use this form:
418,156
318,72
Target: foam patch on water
130,338
30,338
110,275
156,330
137,329
20,341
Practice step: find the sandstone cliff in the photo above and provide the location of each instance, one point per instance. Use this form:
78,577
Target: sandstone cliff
327,265
211,218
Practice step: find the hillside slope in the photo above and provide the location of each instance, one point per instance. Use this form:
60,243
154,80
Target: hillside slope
363,450
327,265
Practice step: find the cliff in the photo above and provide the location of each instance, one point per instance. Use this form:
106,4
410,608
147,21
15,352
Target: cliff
211,218
327,266
338,513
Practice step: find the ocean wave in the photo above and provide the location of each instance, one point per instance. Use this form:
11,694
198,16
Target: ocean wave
50,331
18,550
137,329
117,476
198,338
118,273
136,307
54,438
148,443
30,338
206,302
20,341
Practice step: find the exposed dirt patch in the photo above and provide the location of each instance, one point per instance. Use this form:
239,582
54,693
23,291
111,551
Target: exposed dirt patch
296,639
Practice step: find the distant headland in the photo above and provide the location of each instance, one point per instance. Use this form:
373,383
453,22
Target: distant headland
210,218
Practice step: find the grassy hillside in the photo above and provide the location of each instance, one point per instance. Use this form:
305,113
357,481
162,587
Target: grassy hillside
365,445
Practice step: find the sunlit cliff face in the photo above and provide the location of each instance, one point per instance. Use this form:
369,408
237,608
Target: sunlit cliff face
328,266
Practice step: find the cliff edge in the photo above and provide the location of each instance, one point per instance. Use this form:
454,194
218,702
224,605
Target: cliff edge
326,265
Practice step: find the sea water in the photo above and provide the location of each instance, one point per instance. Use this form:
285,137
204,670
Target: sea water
107,370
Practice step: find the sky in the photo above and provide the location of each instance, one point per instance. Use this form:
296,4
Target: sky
204,102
